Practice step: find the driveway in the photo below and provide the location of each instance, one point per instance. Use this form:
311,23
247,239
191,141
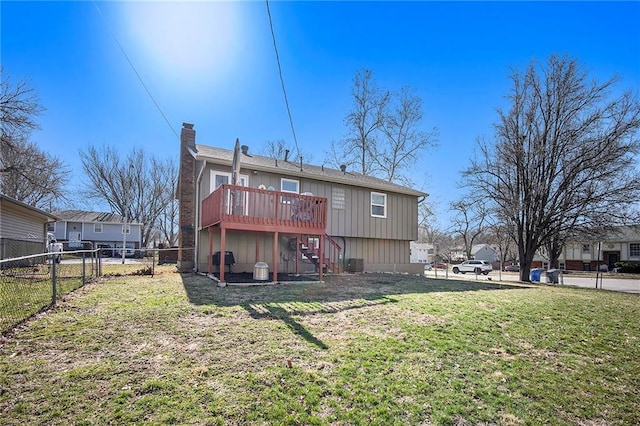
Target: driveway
606,281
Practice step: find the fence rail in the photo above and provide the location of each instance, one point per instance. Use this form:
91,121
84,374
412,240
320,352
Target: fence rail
31,284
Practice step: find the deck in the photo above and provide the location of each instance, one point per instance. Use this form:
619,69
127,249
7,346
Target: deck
252,209
232,207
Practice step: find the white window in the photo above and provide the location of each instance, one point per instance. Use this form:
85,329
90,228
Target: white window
586,248
217,179
378,204
97,228
126,229
51,227
224,178
289,185
634,250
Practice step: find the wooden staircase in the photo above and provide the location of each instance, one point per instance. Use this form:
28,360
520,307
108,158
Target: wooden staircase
306,244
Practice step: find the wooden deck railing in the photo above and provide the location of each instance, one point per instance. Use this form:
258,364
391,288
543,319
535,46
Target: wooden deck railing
261,208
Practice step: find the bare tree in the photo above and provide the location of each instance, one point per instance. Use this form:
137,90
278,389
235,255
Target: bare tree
364,122
470,221
500,234
19,105
167,224
563,158
27,173
280,149
139,187
385,137
32,176
404,140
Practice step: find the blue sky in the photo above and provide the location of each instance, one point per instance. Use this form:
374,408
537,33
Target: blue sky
213,64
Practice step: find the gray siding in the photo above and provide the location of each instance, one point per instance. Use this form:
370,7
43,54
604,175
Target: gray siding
355,219
111,232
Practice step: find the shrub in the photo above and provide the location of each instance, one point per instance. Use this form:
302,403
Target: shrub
632,267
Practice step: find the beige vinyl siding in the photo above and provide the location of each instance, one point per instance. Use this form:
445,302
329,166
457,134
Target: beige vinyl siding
378,254
377,251
20,224
355,220
243,246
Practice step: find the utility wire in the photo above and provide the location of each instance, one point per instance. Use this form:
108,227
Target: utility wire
135,71
286,101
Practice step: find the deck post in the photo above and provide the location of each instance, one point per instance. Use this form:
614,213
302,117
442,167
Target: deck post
321,248
297,253
223,243
275,257
210,262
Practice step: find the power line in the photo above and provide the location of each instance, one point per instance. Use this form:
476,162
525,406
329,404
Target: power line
286,101
135,71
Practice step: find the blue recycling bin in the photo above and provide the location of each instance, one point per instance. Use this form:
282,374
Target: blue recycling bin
535,275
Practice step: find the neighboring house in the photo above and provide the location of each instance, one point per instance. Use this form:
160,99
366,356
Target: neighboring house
22,228
485,252
458,254
619,245
102,230
422,252
291,215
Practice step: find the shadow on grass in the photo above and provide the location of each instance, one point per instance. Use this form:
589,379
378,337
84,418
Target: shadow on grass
338,293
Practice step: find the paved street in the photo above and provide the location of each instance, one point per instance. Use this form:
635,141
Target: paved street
609,281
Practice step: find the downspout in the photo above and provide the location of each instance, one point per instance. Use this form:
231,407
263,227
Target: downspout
197,218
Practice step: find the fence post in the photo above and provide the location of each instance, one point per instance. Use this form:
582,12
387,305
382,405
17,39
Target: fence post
83,268
53,281
153,261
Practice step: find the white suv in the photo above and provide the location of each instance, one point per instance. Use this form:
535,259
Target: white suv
477,266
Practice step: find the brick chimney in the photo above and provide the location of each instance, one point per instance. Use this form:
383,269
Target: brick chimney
186,198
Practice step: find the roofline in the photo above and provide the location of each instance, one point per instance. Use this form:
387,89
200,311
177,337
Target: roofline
398,188
27,206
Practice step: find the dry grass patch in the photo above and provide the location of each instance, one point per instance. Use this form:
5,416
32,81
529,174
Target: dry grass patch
358,349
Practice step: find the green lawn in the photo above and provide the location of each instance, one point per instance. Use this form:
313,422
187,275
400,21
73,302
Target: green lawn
369,349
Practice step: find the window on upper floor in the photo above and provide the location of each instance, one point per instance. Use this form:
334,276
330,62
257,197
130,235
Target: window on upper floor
51,227
634,250
378,204
126,229
586,248
97,228
289,185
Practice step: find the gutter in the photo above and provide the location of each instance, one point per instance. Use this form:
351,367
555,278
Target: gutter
197,218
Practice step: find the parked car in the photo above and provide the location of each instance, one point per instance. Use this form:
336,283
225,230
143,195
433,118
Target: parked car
512,268
54,248
441,265
477,266
428,266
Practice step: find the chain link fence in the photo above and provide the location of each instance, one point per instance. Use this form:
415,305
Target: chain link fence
30,284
